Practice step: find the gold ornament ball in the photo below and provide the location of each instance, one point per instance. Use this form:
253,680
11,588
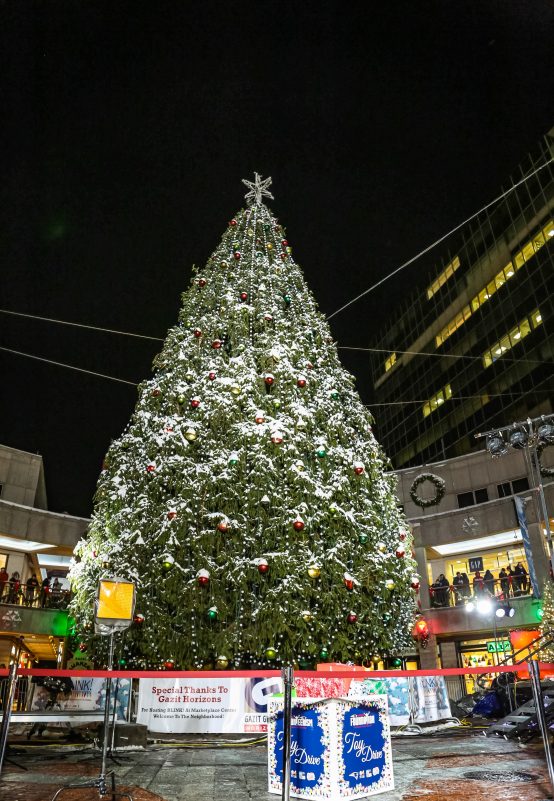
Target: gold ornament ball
381,547
314,571
307,616
389,584
222,662
271,652
190,434
235,389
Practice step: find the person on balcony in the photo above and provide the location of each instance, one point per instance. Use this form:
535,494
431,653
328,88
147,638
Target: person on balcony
504,582
467,587
488,581
520,576
31,588
44,592
442,588
458,584
4,578
14,585
478,584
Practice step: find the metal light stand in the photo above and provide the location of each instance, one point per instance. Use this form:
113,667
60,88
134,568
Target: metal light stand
6,715
105,627
287,675
534,673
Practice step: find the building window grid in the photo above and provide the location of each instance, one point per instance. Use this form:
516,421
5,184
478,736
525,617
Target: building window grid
512,338
443,277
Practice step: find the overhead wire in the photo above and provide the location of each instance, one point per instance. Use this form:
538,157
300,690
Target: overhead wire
69,366
80,325
438,241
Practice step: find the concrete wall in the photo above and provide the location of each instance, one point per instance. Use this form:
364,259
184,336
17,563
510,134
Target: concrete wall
22,477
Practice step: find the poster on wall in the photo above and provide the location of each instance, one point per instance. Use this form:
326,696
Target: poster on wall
229,705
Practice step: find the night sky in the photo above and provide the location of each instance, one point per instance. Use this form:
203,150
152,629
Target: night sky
128,126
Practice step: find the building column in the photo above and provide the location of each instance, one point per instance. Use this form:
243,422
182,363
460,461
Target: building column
420,555
449,655
428,658
539,552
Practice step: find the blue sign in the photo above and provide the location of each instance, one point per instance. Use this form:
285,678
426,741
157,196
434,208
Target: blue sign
307,760
522,520
364,750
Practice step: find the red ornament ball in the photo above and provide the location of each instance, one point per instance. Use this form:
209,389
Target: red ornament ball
269,379
82,647
283,256
156,392
359,469
277,438
259,418
171,515
284,243
309,366
298,524
223,526
150,468
197,333
216,344
402,535
212,375
243,296
169,664
301,382
203,581
237,255
138,619
268,318
263,567
348,582
201,282
400,551
169,429
352,617
232,223
195,403
415,583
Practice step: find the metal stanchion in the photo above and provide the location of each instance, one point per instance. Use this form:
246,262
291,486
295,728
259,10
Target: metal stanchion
534,673
288,680
7,711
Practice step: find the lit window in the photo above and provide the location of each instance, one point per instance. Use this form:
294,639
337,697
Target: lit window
521,257
511,339
447,273
390,361
437,400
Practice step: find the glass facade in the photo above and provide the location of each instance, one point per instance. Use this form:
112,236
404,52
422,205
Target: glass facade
500,296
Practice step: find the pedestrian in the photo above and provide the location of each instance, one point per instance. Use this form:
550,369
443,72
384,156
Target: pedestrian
466,585
520,578
15,584
504,582
458,584
511,579
443,589
4,578
478,584
55,592
44,591
488,581
31,585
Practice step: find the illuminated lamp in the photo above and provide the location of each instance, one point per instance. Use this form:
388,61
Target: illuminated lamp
496,445
484,607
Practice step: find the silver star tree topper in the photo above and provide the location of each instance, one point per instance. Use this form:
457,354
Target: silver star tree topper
258,189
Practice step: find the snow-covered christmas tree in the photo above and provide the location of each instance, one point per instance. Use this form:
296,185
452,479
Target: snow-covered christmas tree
248,497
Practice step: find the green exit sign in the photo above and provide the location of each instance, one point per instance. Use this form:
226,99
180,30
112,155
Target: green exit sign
498,646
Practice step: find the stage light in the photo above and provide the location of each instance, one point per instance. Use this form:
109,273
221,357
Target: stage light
546,434
484,607
470,606
500,612
518,437
496,445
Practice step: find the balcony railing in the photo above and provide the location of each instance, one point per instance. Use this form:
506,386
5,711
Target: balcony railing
40,598
500,589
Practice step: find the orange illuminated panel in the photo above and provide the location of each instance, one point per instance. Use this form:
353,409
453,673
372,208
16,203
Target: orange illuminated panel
115,600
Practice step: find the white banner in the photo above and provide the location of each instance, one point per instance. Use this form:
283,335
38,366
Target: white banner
86,695
228,705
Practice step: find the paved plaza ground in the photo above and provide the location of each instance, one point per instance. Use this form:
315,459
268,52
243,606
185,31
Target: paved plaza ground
450,766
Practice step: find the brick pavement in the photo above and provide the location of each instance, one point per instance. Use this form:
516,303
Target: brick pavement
447,766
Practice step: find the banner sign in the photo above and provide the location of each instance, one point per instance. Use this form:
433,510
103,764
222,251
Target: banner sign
239,705
520,504
340,748
205,705
498,646
87,695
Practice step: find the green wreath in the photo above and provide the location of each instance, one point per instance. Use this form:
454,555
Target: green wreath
440,488
546,472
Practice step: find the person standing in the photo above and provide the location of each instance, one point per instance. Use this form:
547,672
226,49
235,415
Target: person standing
504,582
15,584
478,584
520,578
458,584
488,581
4,578
44,591
31,588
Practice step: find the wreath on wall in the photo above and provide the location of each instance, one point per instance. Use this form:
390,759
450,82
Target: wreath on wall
546,472
440,489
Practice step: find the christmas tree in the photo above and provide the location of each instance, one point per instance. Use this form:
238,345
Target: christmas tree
248,498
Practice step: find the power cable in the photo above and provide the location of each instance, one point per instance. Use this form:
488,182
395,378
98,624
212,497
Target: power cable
443,355
80,325
68,366
441,239
459,397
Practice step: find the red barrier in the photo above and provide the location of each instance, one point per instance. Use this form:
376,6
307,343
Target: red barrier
303,674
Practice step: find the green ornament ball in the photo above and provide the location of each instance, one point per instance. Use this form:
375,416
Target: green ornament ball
335,395
287,299
324,654
363,539
276,402
321,452
271,652
181,399
212,613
